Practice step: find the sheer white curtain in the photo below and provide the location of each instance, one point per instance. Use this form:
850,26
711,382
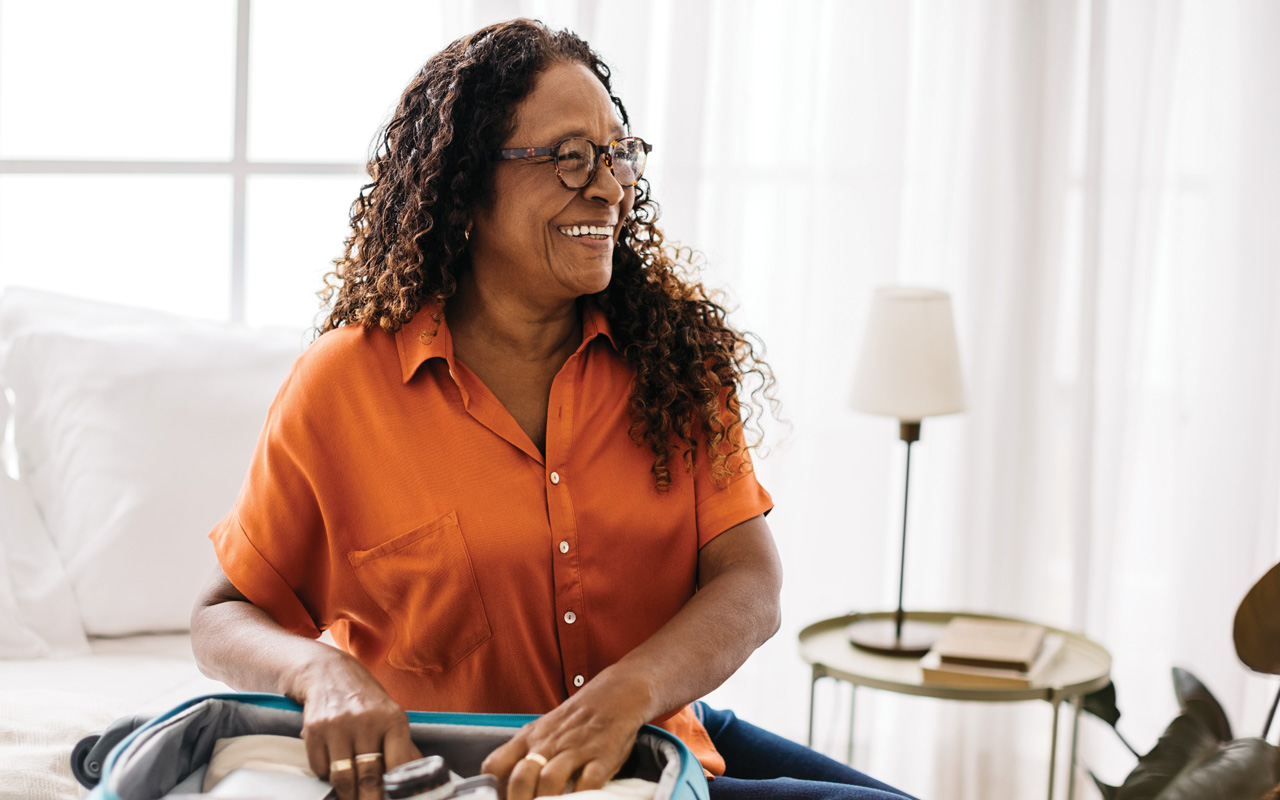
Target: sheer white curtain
1097,184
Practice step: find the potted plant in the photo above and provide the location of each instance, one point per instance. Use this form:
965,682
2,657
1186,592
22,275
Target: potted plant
1197,756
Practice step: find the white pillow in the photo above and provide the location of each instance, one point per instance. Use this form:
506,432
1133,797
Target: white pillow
38,615
134,430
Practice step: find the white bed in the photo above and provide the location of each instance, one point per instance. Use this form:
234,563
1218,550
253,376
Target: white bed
48,704
134,673
127,435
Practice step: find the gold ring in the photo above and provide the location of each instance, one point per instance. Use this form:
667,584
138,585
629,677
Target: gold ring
538,757
368,757
341,765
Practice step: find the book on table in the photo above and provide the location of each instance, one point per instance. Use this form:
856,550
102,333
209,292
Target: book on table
987,653
996,644
934,671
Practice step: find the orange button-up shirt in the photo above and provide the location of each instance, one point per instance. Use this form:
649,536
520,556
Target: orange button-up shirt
394,501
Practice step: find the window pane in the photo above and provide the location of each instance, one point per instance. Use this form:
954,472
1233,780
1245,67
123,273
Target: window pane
295,228
324,75
157,241
129,79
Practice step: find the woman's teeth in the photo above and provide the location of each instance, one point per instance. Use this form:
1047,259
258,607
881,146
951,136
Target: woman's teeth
594,231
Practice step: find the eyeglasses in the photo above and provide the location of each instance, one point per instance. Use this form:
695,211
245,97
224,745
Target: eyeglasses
576,159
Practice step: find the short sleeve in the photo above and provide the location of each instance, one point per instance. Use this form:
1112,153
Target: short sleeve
272,544
720,507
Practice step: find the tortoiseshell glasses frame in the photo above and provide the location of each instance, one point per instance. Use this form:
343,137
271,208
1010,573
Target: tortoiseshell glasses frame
569,156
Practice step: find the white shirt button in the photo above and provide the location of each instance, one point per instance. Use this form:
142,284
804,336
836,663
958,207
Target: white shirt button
555,477
564,547
578,680
570,617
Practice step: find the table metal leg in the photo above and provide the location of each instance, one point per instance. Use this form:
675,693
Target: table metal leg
853,699
1077,704
813,688
1053,747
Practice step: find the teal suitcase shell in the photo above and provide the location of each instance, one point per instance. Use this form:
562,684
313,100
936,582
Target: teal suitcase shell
158,754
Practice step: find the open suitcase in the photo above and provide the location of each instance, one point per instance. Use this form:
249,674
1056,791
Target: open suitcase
140,759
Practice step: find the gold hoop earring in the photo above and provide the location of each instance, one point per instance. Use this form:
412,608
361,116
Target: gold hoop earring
466,232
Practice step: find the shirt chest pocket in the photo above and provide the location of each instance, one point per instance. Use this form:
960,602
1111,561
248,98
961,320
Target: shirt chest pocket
424,582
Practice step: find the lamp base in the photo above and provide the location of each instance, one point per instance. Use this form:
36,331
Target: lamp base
880,636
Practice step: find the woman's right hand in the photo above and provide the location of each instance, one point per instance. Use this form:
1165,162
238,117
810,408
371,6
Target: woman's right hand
346,714
345,711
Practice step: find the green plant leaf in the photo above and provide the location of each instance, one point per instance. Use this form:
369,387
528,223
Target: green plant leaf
1194,698
1246,768
1183,745
1256,630
1189,763
1102,704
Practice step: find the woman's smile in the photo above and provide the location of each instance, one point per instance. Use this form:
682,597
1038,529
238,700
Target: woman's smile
595,237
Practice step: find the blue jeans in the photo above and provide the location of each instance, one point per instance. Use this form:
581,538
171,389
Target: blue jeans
763,766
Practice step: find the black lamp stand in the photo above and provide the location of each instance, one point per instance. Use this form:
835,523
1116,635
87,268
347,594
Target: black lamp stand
899,637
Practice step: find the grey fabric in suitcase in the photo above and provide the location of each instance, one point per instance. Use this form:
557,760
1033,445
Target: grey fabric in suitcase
163,753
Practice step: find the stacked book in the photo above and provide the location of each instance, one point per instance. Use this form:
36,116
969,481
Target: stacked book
995,654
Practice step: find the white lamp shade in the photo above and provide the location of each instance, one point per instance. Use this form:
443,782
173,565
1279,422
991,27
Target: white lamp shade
910,365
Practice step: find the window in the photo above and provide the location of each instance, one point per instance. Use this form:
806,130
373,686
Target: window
198,157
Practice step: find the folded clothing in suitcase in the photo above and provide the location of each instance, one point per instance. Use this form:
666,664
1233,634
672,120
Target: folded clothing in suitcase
161,753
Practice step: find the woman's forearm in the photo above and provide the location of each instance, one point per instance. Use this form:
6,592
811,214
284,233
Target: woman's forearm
241,645
734,612
345,711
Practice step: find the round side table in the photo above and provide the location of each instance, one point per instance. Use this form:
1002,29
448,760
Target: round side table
1082,666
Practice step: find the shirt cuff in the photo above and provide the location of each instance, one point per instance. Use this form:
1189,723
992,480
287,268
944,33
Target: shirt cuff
736,503
255,578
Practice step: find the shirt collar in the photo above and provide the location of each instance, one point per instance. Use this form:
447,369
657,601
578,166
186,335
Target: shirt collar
595,323
427,336
423,338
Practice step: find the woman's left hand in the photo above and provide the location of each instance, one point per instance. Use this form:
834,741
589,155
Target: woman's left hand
591,734
588,737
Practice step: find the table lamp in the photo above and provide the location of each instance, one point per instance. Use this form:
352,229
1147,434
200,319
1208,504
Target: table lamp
909,368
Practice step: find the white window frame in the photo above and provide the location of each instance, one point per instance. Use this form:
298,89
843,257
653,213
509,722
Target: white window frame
239,167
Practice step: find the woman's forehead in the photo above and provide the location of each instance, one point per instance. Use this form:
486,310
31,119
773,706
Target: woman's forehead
567,99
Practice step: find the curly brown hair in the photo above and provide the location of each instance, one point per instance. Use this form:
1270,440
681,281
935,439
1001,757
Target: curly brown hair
407,247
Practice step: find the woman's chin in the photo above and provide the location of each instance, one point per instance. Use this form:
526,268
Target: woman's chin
600,286
592,283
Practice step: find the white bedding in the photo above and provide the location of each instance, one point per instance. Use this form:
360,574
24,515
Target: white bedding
47,705
124,436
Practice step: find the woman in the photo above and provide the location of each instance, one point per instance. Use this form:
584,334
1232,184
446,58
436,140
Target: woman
515,450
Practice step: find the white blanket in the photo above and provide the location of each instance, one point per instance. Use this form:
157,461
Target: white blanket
37,731
47,705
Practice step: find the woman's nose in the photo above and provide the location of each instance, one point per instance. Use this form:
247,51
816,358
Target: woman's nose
604,185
